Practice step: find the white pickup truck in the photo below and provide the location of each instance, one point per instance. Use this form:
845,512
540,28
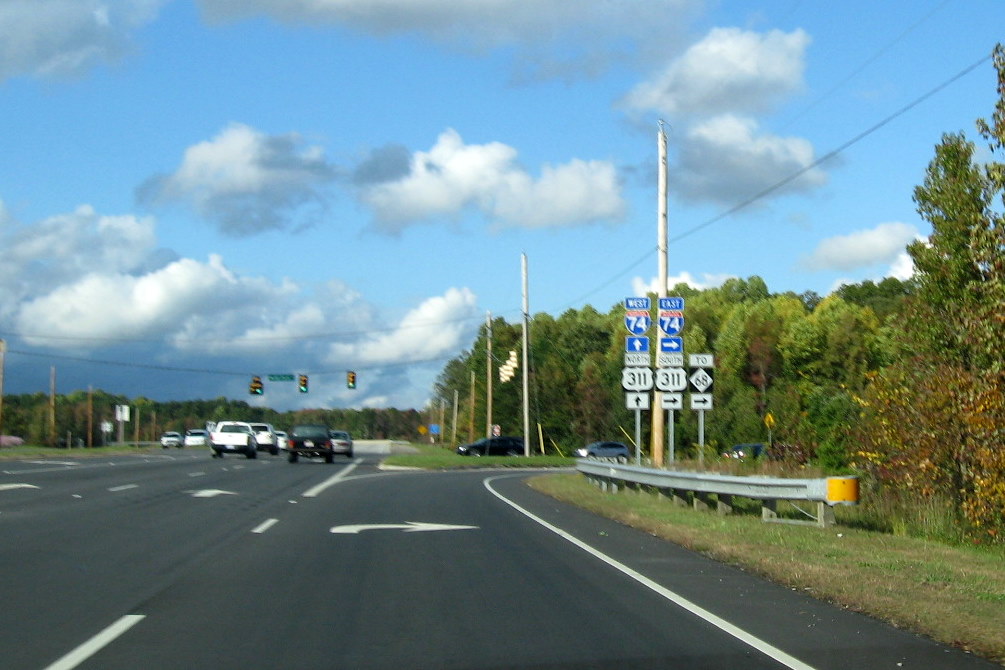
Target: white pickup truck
234,437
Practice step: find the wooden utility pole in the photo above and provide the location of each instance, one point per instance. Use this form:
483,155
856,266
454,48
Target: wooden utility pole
526,363
52,406
488,375
658,413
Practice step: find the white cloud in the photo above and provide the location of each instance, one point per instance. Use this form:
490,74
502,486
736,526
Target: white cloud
453,176
726,159
552,39
58,38
247,182
114,306
43,256
643,287
731,70
437,328
883,244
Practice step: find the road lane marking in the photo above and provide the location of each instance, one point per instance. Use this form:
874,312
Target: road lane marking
331,481
408,527
11,487
677,599
96,643
124,487
210,493
197,474
264,526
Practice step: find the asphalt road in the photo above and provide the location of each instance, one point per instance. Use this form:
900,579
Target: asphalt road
177,560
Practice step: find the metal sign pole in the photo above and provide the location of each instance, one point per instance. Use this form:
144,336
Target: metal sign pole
670,437
701,438
638,437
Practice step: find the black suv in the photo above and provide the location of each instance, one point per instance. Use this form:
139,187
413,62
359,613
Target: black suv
310,440
493,446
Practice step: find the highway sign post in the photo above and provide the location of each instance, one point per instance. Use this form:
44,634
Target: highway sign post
700,380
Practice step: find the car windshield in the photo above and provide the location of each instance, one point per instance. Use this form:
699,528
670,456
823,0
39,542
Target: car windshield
310,431
196,432
234,428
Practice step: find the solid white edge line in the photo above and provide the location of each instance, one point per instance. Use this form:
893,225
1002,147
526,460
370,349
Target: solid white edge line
264,526
331,481
96,643
720,623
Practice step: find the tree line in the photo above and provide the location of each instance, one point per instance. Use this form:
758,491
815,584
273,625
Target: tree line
76,418
902,382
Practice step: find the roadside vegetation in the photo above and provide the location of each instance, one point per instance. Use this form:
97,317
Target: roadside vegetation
954,594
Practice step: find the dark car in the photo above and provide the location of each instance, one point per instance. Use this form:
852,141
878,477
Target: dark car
312,439
612,450
493,446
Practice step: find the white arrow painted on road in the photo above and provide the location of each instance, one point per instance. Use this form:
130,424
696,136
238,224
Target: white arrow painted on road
10,487
211,493
408,527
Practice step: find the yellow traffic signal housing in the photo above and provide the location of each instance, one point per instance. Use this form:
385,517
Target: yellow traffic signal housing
350,379
256,387
303,383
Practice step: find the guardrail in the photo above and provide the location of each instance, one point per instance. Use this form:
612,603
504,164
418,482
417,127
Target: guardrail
697,488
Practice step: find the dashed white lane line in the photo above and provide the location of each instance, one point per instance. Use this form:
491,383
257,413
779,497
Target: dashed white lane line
124,487
264,526
96,643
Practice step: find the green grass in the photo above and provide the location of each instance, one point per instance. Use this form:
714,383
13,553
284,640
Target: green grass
33,451
951,593
432,457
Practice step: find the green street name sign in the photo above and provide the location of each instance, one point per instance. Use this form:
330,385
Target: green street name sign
280,378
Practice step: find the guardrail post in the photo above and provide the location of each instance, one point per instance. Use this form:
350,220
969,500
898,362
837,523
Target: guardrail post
825,515
769,510
724,504
701,501
678,497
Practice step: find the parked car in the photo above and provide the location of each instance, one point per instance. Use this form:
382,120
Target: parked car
342,442
741,451
196,437
172,439
282,439
234,437
612,450
310,440
493,446
265,437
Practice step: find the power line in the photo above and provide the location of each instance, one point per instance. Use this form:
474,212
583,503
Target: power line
774,187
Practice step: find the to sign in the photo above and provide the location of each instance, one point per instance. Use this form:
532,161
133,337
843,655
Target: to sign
636,379
671,379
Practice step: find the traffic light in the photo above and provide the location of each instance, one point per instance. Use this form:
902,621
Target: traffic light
303,383
350,379
256,387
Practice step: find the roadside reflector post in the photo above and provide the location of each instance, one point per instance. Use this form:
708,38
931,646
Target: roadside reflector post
842,490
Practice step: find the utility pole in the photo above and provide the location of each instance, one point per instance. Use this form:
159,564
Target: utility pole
52,406
658,413
471,410
488,375
526,364
3,353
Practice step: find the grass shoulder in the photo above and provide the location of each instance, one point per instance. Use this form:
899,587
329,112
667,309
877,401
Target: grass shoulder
34,451
433,457
953,594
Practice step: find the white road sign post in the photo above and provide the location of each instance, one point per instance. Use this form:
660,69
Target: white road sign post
700,379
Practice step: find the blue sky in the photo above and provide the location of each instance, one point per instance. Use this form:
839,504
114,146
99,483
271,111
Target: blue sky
194,191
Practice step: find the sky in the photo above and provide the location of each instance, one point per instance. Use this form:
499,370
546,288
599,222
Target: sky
193,192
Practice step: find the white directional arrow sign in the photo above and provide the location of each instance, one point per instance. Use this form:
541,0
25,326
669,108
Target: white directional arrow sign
408,527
